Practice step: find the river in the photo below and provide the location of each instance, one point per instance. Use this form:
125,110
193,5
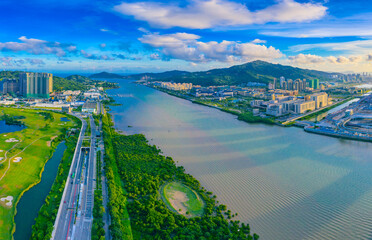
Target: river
284,182
32,200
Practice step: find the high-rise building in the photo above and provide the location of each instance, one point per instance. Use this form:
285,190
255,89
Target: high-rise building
311,83
282,80
10,86
35,85
289,84
316,83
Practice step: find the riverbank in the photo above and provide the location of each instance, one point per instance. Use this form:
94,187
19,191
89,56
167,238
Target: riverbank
24,156
331,133
136,170
243,116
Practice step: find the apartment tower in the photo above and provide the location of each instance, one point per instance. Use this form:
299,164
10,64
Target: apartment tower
35,85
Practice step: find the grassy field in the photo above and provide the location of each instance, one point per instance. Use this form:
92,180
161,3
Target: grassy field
182,199
35,145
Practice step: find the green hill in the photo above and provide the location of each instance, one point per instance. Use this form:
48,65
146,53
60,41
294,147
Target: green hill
105,75
256,71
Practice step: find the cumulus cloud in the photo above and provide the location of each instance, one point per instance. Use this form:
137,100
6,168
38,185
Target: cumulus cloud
187,47
342,59
37,47
306,59
303,59
258,41
201,14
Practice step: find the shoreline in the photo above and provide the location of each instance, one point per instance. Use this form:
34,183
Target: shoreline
335,135
256,120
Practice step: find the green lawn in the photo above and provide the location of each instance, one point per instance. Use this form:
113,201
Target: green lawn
182,199
36,145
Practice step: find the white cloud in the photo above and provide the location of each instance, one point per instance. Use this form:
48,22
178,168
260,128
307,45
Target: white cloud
188,47
19,62
155,56
259,41
305,59
37,46
356,25
200,14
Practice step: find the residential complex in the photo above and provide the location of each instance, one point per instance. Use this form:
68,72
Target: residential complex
295,85
29,85
175,86
10,86
35,85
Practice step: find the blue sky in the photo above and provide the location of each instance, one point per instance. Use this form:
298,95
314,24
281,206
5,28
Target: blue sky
131,36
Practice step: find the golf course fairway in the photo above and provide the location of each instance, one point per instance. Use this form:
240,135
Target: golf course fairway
23,155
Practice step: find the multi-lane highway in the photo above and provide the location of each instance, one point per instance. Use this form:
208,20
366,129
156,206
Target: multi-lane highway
75,213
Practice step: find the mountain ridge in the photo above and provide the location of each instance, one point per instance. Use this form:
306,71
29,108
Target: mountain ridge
256,71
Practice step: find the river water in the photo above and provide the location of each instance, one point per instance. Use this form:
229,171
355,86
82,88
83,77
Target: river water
32,200
284,182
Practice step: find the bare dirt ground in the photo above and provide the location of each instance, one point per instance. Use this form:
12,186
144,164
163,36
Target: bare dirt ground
49,143
178,200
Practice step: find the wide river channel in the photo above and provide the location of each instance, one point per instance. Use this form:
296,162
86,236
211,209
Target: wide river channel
284,182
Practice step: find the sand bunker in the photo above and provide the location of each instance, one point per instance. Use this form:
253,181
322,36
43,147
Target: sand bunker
8,201
11,140
49,143
1,150
17,159
178,200
1,158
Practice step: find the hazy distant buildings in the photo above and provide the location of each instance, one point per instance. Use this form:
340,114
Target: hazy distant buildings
35,85
10,86
298,84
176,86
313,83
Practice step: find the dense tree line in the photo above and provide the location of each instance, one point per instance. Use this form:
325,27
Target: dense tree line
12,120
98,232
142,170
120,227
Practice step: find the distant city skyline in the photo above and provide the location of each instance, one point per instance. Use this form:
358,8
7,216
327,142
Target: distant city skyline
135,36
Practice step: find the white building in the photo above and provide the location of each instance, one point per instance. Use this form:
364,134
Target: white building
320,99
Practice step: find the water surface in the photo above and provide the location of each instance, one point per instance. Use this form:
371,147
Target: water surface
32,200
284,182
5,128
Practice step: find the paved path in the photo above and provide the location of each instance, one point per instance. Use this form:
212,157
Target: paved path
67,208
